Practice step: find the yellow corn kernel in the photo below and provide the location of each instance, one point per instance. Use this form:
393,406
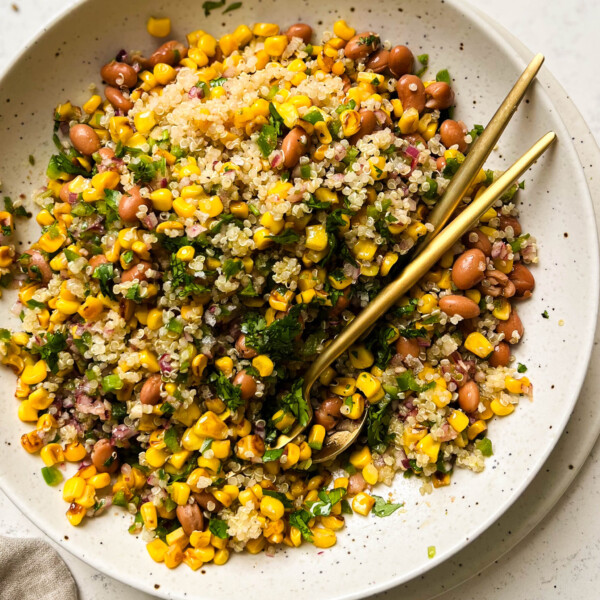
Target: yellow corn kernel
178,459
429,447
412,435
157,550
183,208
105,180
40,399
458,420
212,206
316,237
362,503
91,309
74,452
478,345
92,104
186,253
283,420
99,481
162,199
51,242
155,319
474,295
350,120
200,539
389,260
377,166
164,73
144,121
148,361
209,425
502,309
159,26
156,457
361,357
74,488
476,428
342,30
272,508
514,386
292,454
323,537
263,364
316,437
427,304
361,458
173,557
52,454
221,556
343,386
180,493
364,250
149,515
323,134
370,386
225,365
409,121
501,410
228,44
505,266
265,29
239,209
35,373
275,226
275,45
262,238
370,474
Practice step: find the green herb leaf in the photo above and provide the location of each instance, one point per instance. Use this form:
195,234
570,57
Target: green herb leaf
119,499
444,76
267,140
232,7
281,497
55,343
210,6
378,423
218,528
485,446
272,455
522,368
324,505
424,60
105,273
51,475
545,315
289,236
35,304
171,440
295,402
517,245
229,393
300,519
232,267
61,163
314,116
383,508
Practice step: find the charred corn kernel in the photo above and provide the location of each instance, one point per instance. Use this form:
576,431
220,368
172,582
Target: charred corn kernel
31,441
342,30
323,134
52,454
51,242
429,447
148,361
209,425
262,238
263,364
212,206
362,503
292,456
316,437
412,435
272,508
476,428
370,474
35,373
361,357
40,399
502,309
458,420
74,452
350,120
87,499
323,537
228,44
191,559
156,457
173,556
180,493
478,345
316,237
361,458
409,121
164,73
159,26
370,386
501,410
343,386
265,29
275,45
91,309
225,365
73,488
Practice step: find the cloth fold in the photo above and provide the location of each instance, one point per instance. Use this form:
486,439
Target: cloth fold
30,569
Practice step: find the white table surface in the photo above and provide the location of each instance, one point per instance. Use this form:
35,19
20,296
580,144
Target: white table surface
561,557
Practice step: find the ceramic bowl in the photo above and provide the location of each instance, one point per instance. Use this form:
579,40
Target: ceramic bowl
371,554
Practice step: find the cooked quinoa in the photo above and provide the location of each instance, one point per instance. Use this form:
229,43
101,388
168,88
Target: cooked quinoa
206,231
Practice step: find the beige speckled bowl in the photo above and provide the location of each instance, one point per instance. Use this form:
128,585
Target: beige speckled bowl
372,554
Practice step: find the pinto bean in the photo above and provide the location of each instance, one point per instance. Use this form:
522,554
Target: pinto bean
116,97
64,192
295,145
97,260
415,139
243,350
246,383
453,134
361,46
506,221
406,347
368,124
468,397
476,239
207,501
523,280
300,30
500,357
439,95
84,139
170,53
190,517
106,153
119,74
379,61
411,92
511,326
459,305
37,268
150,393
138,272
356,484
401,61
329,412
468,269
101,453
130,204
440,164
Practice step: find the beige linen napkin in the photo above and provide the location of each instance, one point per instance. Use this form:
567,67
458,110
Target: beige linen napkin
30,569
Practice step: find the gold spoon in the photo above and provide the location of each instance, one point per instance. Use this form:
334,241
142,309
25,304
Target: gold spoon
413,272
438,217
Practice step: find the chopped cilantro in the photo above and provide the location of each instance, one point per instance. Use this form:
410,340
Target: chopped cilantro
171,440
327,499
485,446
232,7
55,343
273,454
267,140
522,368
61,163
209,6
218,528
289,236
545,315
232,267
105,273
383,508
228,392
424,60
378,422
443,76
295,402
35,304
300,519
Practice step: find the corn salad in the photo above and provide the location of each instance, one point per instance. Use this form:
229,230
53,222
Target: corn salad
207,229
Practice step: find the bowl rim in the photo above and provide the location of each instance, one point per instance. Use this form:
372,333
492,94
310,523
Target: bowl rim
475,19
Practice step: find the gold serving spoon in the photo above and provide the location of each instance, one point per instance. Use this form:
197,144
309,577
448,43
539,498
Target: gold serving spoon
438,217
